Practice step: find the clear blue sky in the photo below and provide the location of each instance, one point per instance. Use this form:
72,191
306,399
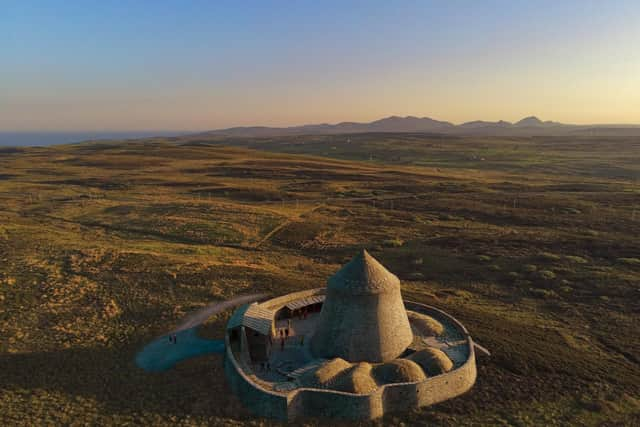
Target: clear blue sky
192,65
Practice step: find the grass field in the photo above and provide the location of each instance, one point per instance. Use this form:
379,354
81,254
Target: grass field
533,243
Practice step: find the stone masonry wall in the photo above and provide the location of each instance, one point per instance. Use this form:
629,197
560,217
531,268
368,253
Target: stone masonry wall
259,401
307,402
333,404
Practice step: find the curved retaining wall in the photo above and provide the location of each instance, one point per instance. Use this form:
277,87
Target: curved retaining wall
310,402
260,401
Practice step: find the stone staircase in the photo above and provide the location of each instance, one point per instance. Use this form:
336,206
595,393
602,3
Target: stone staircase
295,374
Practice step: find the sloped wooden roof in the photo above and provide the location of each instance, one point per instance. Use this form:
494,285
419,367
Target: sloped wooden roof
252,316
303,302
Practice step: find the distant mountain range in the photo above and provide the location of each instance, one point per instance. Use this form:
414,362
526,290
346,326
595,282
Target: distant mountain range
529,126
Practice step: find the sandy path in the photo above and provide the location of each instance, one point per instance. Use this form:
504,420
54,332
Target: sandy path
286,223
200,316
162,354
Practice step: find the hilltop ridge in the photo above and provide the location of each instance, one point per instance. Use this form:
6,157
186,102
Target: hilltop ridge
528,126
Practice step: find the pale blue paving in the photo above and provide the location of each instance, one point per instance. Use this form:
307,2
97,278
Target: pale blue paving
161,354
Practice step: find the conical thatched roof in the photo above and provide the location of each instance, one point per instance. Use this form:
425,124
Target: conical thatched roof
363,275
363,318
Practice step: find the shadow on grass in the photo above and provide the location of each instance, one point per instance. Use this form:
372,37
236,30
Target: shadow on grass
196,387
162,354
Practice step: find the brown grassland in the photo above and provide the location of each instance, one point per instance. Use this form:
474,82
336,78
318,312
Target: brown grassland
533,243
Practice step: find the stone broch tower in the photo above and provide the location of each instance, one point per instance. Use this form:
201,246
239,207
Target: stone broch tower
363,317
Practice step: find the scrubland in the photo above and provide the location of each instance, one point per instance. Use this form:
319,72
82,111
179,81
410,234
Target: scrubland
533,243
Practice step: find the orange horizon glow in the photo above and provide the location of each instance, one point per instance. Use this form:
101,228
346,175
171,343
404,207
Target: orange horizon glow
101,67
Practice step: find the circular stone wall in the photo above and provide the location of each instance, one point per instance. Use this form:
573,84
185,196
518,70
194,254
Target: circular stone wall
285,400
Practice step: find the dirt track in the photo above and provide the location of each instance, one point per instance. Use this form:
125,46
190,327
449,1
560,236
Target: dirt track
200,316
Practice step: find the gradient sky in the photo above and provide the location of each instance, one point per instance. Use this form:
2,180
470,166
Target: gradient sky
196,65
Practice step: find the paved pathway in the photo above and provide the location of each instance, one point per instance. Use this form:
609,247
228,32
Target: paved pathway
162,354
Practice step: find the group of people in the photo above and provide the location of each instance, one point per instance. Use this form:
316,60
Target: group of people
303,313
265,366
283,334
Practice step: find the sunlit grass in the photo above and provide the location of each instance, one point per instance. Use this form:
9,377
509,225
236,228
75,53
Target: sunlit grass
104,247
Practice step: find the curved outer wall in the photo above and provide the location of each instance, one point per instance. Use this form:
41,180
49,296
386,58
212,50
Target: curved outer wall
309,402
260,402
371,328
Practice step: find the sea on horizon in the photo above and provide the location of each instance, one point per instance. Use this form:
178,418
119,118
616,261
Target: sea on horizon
30,139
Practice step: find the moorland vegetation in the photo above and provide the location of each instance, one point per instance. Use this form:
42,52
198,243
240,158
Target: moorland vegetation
531,242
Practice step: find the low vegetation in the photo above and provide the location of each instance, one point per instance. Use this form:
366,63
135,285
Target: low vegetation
105,246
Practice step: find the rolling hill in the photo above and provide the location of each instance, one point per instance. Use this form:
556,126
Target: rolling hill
529,126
